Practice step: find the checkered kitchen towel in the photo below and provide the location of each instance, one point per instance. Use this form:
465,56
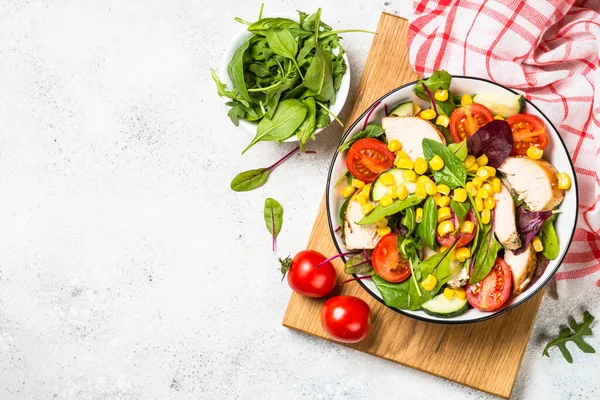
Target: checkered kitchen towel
549,50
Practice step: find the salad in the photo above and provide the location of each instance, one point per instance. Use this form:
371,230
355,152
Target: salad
451,206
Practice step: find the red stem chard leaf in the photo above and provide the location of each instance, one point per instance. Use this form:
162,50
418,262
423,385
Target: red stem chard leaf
529,224
273,213
255,178
494,139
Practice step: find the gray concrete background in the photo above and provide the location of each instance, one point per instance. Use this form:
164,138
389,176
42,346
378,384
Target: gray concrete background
128,269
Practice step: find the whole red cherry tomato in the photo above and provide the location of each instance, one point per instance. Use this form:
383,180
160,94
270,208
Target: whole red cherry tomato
303,276
346,319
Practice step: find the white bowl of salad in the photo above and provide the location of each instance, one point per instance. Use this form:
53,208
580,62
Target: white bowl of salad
452,199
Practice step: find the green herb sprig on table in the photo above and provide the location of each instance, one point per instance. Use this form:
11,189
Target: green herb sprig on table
285,77
574,333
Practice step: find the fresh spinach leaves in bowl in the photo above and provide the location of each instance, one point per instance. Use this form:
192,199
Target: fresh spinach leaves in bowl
285,77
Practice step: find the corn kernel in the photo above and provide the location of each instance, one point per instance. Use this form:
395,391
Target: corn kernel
436,197
477,182
489,203
430,188
488,187
416,109
362,200
421,194
400,154
393,192
428,114
366,191
486,216
443,249
387,178
429,282
449,293
394,145
384,230
496,185
471,188
481,192
367,208
386,200
466,100
443,120
499,117
382,222
348,191
537,244
436,163
441,95
467,227
473,168
443,201
491,170
469,161
462,254
460,195
422,180
445,227
420,166
444,214
409,175
564,181
443,189
482,160
535,153
460,293
483,173
357,183
402,192
404,163
419,215
479,204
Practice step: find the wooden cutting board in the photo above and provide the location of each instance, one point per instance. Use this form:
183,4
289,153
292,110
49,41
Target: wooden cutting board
466,354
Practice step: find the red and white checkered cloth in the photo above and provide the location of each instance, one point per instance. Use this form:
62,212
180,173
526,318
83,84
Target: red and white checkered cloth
549,50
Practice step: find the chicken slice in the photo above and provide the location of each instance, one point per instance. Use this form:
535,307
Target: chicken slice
505,226
535,181
410,131
522,266
358,237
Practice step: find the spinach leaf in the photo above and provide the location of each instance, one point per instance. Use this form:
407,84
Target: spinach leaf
429,223
273,213
315,75
327,92
250,180
409,220
574,333
438,80
307,129
287,118
549,239
454,172
342,215
381,212
359,264
235,69
223,92
282,42
371,131
445,107
459,149
485,257
261,27
460,209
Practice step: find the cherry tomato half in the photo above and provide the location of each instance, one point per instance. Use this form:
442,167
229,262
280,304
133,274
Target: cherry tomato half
493,291
528,130
387,260
367,158
462,238
304,278
346,319
467,120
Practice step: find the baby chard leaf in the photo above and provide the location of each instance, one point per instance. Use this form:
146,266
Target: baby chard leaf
250,180
273,213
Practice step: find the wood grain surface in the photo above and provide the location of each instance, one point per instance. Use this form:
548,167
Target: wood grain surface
466,354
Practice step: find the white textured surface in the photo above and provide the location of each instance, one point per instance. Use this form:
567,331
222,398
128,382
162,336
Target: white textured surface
128,269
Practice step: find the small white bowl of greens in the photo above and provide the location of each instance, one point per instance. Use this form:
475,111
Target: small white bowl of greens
278,83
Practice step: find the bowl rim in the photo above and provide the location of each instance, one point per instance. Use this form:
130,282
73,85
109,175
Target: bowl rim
449,321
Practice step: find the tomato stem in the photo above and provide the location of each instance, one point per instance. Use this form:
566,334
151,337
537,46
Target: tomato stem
337,256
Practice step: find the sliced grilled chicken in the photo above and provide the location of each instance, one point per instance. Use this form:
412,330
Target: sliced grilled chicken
410,131
522,267
458,278
358,237
535,181
505,226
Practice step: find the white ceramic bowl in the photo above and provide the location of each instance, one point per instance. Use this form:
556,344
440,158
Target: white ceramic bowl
239,39
556,153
